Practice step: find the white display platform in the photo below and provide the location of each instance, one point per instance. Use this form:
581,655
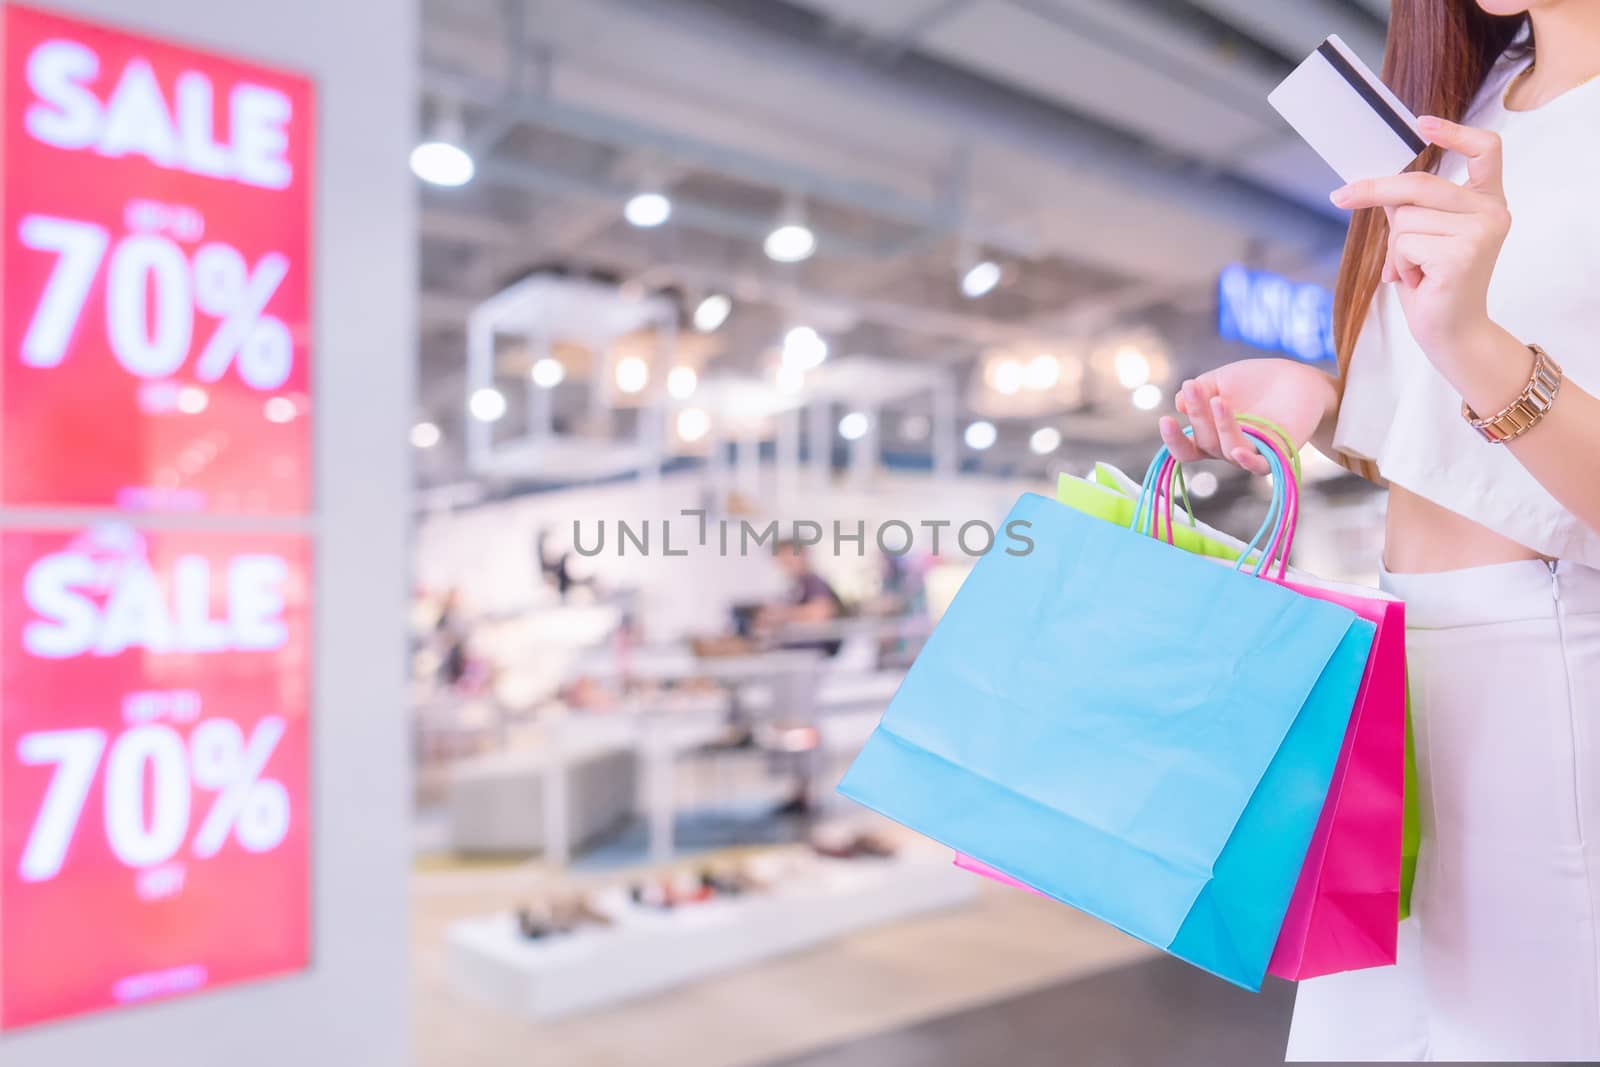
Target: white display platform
650,952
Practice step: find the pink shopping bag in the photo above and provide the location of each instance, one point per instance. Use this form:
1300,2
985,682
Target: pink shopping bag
1345,911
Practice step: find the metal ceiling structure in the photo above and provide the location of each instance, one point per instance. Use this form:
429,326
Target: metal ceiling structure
1113,155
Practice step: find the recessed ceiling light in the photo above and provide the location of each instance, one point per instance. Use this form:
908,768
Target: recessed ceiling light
1132,367
442,163
854,426
681,382
712,312
980,279
425,435
487,404
804,348
1007,377
693,424
633,374
647,210
1147,397
980,435
548,372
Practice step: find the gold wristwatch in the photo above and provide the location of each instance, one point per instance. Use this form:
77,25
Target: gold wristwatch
1523,413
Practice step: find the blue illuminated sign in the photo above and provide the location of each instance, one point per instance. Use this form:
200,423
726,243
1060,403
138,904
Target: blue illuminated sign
1269,311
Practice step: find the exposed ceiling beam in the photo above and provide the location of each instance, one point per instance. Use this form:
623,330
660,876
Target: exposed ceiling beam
987,112
1298,26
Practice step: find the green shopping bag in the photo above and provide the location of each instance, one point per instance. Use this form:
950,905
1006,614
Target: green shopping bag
1411,834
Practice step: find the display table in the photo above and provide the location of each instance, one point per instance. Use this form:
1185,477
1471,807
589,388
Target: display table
532,800
651,951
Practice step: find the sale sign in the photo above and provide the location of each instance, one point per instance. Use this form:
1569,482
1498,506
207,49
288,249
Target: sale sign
153,764
156,265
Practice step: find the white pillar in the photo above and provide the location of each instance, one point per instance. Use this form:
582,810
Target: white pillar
748,457
820,440
788,456
942,431
864,452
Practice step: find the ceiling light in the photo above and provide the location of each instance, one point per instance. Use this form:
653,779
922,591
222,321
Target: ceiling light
915,428
487,404
633,374
192,399
712,312
681,382
1132,367
1007,376
980,279
1147,397
279,409
425,435
647,210
791,379
442,163
791,239
547,372
1045,440
693,424
1043,373
1202,485
804,348
790,243
980,435
854,426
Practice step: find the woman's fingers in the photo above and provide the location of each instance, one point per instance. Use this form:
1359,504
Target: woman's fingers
1415,187
1481,147
1177,442
1235,446
1409,218
1197,396
1413,253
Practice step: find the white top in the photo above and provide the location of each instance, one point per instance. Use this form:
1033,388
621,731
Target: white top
1400,412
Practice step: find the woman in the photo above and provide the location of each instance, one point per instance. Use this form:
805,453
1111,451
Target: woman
1491,451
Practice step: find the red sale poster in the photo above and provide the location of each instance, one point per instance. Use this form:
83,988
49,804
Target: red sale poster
156,268
153,765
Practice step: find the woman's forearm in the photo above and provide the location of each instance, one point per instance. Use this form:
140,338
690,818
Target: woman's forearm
1563,451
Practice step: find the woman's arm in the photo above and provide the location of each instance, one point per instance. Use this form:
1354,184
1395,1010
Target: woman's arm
1562,452
1444,240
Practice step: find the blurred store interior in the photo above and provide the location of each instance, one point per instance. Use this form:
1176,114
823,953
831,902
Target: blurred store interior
819,261
667,287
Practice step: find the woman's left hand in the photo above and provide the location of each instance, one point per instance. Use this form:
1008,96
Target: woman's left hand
1444,239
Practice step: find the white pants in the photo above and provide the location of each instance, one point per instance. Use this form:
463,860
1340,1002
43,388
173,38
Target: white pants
1500,959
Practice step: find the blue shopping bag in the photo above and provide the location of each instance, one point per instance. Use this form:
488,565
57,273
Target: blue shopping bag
1142,733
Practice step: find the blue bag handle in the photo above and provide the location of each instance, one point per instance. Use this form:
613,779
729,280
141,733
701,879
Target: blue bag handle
1144,511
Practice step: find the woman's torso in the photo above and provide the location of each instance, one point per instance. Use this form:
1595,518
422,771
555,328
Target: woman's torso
1454,501
1421,537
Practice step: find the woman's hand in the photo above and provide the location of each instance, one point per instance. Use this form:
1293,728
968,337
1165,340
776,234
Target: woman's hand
1295,396
1443,241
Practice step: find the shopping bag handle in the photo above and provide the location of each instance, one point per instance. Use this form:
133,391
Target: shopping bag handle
1283,539
1272,532
1278,432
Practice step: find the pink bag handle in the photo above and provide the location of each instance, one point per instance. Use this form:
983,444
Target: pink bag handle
1283,544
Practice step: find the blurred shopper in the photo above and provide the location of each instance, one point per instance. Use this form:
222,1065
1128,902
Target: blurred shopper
810,601
1489,450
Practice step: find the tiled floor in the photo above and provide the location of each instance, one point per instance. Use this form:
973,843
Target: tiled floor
1006,945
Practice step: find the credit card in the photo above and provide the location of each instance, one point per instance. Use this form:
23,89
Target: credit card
1347,114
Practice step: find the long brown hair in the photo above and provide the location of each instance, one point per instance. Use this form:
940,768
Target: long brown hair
1438,55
